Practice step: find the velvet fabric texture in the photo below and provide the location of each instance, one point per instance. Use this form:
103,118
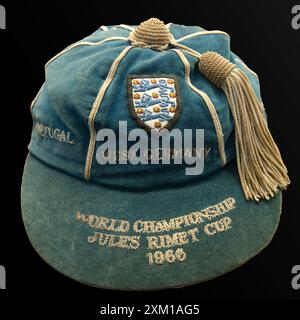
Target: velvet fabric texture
136,227
51,200
72,84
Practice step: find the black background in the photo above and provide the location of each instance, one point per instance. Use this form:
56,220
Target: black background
261,34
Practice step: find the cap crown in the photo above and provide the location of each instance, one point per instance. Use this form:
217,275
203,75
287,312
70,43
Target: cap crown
86,89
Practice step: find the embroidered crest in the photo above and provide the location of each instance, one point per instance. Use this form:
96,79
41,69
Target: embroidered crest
154,101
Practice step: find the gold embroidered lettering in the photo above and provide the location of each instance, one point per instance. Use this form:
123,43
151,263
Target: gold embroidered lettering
93,238
103,239
93,221
123,227
176,239
134,242
103,223
154,242
229,203
192,218
138,226
218,226
53,133
193,232
178,222
208,229
115,241
62,137
50,133
82,217
159,257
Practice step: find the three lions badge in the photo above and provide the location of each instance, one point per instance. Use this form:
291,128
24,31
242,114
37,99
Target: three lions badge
153,101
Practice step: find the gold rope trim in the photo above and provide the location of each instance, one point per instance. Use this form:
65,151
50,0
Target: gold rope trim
95,108
209,104
261,169
197,54
189,50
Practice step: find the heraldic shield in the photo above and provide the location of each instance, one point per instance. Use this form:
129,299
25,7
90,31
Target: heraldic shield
153,101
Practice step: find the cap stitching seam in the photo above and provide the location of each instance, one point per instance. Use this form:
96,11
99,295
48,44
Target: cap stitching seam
95,108
87,43
209,104
36,97
202,33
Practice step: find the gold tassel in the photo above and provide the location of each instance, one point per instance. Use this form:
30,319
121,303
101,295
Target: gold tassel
261,169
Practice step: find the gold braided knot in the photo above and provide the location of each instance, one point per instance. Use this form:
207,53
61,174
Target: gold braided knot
260,166
215,67
152,33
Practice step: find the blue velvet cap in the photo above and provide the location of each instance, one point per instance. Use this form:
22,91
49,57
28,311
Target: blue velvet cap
143,226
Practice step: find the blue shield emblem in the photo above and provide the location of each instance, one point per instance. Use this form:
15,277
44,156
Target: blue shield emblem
153,101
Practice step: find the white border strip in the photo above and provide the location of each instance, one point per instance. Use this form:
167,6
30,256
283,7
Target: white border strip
95,108
36,97
125,26
210,105
104,28
202,33
84,43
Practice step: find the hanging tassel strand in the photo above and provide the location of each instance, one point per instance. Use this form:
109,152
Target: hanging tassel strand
260,166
